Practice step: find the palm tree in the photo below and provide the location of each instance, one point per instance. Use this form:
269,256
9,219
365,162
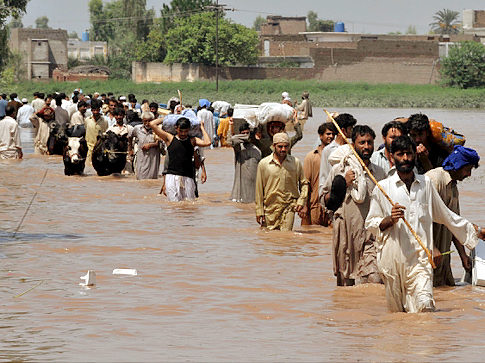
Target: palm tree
446,22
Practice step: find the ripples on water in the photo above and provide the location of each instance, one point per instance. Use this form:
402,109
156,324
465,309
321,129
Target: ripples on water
211,285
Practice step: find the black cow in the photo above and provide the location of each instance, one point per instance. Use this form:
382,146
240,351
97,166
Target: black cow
109,153
57,138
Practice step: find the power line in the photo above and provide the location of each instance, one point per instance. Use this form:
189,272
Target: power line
166,16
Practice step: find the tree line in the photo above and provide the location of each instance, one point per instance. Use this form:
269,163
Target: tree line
185,32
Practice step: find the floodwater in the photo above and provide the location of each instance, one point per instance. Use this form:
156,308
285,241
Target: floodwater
211,285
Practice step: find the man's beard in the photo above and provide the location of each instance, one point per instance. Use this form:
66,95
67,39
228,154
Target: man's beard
387,147
404,167
363,156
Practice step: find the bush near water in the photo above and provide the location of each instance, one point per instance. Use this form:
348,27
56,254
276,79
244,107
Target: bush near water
322,94
465,65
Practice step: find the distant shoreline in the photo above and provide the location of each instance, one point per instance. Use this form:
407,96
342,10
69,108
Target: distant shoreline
322,94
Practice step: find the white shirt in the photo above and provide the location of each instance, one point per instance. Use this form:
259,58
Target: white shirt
37,104
325,166
72,109
111,120
77,118
66,104
206,116
9,135
379,158
23,115
403,263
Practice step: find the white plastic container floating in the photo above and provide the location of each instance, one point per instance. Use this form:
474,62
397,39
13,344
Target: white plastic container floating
125,271
89,278
478,272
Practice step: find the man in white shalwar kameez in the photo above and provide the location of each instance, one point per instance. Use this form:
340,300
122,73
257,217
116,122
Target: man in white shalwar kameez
205,116
403,264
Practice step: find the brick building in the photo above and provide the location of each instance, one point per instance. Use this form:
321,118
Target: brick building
43,50
474,23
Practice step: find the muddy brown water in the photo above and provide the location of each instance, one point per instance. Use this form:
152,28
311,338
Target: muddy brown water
211,286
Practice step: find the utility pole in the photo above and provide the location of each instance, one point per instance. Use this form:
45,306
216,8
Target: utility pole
217,7
217,45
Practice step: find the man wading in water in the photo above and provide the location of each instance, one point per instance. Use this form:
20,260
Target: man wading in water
281,187
403,264
179,178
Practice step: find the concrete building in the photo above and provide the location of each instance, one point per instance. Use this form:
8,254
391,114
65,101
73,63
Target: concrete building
474,23
84,50
43,50
280,25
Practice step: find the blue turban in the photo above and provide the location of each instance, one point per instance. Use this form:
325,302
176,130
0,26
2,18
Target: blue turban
203,102
459,157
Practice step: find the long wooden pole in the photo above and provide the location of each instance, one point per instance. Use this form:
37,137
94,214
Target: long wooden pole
428,253
180,97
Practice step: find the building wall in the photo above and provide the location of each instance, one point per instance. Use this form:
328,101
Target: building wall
86,50
62,76
479,21
161,72
48,46
283,25
371,70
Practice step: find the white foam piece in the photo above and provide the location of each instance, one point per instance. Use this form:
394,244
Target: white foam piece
478,272
89,278
125,271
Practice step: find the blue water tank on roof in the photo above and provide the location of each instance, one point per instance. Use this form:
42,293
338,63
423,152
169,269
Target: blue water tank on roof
85,36
339,27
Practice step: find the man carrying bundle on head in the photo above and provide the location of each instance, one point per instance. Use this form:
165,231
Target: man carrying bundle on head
180,173
429,155
402,260
247,157
265,142
281,187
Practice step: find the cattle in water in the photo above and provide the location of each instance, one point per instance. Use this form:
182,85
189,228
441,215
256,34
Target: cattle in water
109,153
74,156
75,151
57,138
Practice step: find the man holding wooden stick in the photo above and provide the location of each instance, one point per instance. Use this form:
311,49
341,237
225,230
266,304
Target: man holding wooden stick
353,248
404,265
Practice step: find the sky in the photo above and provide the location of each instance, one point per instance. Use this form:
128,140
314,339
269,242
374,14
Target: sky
359,16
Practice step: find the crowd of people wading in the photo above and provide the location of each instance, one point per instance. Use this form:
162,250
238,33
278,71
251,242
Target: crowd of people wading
394,209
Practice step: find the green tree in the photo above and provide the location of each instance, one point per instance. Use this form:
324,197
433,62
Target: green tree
465,65
258,22
73,35
15,23
42,22
15,9
318,25
445,22
181,8
110,22
154,49
192,40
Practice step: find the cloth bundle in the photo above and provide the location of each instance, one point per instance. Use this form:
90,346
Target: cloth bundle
169,122
268,112
221,107
247,113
